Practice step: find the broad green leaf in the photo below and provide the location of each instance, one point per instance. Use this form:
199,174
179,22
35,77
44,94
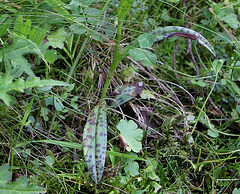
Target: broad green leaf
95,141
146,94
49,160
156,186
58,104
145,40
212,133
17,187
233,87
96,36
26,28
122,155
4,24
224,82
70,88
8,84
39,38
76,6
148,58
44,113
131,135
114,159
151,170
238,109
199,83
5,175
82,3
3,18
101,140
50,56
14,53
47,82
33,33
231,20
205,22
18,24
127,92
54,101
56,39
236,191
58,6
4,27
132,168
217,65
78,27
92,12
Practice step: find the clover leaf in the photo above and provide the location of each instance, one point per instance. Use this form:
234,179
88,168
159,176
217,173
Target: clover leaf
131,135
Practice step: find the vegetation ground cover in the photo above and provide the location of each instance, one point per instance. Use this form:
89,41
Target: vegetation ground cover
119,96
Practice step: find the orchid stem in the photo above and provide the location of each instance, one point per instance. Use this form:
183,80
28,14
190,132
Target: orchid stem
115,60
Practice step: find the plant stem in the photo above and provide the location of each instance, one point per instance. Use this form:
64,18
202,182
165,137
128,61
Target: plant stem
52,123
203,106
115,60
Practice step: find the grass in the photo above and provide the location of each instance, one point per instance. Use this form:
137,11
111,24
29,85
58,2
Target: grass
189,114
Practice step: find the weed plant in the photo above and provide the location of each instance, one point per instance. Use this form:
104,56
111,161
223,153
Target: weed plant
178,131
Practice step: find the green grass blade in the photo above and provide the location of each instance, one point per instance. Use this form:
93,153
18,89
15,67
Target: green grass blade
26,115
122,155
